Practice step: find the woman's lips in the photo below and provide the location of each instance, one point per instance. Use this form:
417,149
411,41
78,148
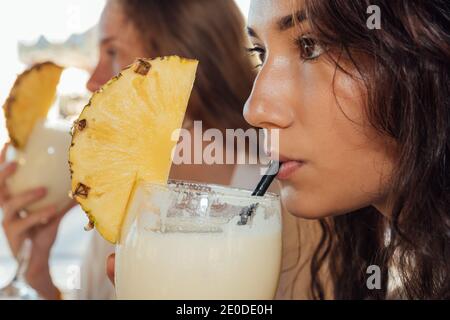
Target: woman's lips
288,168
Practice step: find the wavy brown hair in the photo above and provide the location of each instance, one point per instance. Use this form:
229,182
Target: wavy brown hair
405,69
211,31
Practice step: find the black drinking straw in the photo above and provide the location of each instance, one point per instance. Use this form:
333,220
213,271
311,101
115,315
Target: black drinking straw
260,191
267,179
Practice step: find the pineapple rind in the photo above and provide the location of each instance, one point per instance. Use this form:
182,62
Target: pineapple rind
126,136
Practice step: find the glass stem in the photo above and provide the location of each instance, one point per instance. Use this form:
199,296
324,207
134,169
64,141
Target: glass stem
23,257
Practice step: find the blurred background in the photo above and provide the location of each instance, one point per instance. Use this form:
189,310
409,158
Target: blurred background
63,31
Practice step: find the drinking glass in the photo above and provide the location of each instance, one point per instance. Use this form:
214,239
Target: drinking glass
190,241
42,163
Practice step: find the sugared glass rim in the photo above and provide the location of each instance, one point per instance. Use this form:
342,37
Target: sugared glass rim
180,185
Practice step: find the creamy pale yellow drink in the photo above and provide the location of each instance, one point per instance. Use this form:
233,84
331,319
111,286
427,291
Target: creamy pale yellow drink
182,242
44,162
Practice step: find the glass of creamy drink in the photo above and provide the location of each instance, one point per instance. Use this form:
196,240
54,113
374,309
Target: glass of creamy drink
43,162
185,241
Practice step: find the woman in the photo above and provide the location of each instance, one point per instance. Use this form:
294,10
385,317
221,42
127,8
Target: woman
364,123
143,28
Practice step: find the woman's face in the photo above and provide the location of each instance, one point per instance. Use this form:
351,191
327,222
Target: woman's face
119,45
334,161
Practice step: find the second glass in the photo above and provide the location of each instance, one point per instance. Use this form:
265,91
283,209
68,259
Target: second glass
42,163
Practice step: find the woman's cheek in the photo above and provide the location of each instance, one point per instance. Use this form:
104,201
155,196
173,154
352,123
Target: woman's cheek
348,189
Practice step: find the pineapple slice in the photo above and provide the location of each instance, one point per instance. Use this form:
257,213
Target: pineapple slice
123,137
30,99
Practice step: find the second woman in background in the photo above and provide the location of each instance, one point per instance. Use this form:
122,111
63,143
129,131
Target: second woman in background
212,32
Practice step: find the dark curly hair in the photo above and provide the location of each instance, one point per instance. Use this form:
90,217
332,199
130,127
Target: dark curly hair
405,68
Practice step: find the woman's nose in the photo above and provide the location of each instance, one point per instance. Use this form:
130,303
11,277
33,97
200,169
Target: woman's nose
268,105
97,80
92,85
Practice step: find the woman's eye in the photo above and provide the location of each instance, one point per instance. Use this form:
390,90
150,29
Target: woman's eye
260,53
111,52
309,48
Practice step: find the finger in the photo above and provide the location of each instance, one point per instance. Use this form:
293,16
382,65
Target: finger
110,262
4,195
20,202
62,212
3,152
57,220
36,219
67,208
45,231
7,170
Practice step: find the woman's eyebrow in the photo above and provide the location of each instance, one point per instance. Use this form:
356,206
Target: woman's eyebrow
284,23
289,21
107,40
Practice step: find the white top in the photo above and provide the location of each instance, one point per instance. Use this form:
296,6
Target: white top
95,284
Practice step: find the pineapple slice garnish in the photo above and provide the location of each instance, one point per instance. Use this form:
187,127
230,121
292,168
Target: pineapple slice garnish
124,137
30,99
